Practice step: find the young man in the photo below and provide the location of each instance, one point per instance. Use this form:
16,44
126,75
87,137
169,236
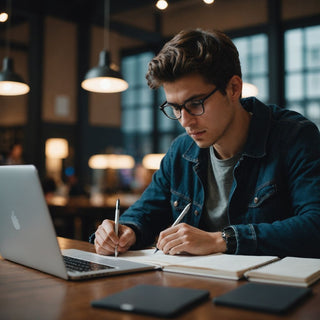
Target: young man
250,171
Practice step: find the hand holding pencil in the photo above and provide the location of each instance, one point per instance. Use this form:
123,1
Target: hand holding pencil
181,216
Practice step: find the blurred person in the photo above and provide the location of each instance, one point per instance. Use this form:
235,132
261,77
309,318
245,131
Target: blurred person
15,155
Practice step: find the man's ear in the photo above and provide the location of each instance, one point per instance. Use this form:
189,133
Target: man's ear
234,87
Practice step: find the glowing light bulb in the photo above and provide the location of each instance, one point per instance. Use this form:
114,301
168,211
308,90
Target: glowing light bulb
3,17
162,4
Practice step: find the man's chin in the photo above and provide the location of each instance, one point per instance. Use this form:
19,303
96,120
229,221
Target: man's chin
202,144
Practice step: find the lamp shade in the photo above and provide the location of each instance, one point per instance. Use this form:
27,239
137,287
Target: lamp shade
11,84
57,148
103,78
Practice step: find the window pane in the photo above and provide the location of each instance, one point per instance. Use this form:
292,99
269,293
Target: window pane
145,144
161,96
165,142
313,47
242,45
164,123
144,97
129,120
293,50
128,98
294,86
302,81
253,54
128,69
313,85
143,61
144,119
313,111
259,54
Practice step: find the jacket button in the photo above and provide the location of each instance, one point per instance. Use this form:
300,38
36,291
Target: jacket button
256,199
196,212
176,203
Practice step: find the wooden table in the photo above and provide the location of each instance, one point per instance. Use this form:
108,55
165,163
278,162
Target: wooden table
30,294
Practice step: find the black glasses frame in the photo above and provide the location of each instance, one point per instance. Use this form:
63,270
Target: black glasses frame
201,101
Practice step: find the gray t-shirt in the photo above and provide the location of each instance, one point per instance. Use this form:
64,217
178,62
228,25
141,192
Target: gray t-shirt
220,179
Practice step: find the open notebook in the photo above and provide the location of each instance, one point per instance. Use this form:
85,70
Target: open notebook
295,271
216,265
270,269
27,235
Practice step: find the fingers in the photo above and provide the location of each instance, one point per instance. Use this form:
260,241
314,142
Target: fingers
106,240
184,238
172,240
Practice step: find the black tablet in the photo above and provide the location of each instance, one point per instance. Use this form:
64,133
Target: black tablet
153,300
263,297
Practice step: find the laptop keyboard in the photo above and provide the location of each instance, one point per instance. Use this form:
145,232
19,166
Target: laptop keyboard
74,264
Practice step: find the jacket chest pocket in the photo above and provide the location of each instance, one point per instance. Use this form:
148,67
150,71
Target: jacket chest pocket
262,194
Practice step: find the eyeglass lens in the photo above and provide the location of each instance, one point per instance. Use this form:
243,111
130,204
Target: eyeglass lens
195,108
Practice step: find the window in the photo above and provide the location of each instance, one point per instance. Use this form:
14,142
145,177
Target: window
302,71
145,129
253,53
137,106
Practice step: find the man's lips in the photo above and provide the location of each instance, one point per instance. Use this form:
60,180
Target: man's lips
196,134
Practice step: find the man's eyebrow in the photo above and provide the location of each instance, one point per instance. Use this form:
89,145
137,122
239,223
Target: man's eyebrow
194,97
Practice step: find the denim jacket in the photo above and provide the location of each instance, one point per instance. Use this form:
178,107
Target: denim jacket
274,203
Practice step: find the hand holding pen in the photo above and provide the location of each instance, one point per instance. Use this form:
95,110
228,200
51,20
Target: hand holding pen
116,223
181,216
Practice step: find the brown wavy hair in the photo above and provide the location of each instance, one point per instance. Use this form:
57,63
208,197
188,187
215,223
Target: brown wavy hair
210,54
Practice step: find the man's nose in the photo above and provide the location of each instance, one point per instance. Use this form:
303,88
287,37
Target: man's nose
186,118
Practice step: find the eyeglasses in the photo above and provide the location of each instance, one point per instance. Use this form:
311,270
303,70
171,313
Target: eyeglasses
195,107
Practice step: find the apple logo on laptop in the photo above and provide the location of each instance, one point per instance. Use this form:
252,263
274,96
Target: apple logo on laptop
15,221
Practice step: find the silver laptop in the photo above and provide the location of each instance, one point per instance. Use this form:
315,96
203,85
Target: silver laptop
28,237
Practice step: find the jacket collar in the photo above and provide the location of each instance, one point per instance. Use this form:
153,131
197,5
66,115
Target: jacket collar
259,127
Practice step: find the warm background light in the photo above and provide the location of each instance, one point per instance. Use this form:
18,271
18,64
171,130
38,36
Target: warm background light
3,17
11,88
57,148
105,85
111,161
152,160
249,90
162,4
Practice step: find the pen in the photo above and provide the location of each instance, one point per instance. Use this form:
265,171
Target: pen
116,223
181,216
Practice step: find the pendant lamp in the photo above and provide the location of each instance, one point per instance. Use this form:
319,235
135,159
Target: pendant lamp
103,78
11,84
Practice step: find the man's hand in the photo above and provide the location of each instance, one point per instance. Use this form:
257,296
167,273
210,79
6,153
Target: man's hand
188,239
106,240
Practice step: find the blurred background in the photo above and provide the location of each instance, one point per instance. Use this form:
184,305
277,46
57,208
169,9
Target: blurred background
92,147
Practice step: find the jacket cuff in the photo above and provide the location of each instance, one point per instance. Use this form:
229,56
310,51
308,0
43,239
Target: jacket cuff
246,238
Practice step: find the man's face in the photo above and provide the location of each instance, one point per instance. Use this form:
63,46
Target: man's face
214,125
